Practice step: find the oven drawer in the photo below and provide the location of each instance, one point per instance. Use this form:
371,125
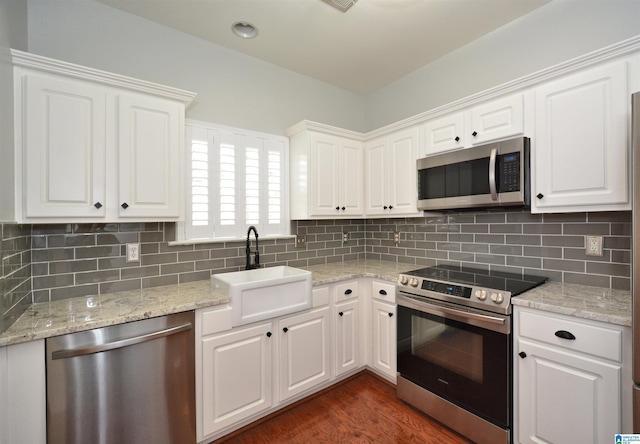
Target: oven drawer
384,291
557,330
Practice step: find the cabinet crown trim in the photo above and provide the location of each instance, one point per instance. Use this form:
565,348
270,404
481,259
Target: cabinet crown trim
619,49
41,63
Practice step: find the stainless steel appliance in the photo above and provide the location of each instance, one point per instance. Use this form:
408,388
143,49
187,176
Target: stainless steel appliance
455,347
635,263
132,383
492,175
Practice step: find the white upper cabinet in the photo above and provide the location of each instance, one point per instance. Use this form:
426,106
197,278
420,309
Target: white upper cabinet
580,145
497,119
63,144
150,136
390,174
95,147
326,176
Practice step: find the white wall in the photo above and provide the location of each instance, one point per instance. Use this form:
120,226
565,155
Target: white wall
556,32
13,34
233,89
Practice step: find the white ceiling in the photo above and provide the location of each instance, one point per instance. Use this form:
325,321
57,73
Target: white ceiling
361,50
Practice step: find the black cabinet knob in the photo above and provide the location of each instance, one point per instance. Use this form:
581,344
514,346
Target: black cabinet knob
383,292
564,334
474,134
457,139
391,207
390,315
268,334
285,329
98,205
125,205
341,314
539,195
385,207
338,208
348,291
522,355
343,208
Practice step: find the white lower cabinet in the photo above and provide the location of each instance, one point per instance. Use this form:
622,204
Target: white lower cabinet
236,376
304,342
570,377
238,370
23,394
383,330
347,349
244,373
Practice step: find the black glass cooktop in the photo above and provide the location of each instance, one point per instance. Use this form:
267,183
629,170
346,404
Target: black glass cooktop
497,280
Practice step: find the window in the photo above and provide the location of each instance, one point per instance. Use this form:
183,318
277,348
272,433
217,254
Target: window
235,178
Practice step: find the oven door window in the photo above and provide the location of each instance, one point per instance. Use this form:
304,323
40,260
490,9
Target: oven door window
464,364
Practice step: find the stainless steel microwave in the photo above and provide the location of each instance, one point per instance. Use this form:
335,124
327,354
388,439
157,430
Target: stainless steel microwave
491,175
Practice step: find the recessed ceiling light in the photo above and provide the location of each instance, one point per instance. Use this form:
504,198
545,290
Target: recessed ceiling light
245,30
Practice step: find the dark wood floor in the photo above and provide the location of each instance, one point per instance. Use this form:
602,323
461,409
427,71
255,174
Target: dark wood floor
364,409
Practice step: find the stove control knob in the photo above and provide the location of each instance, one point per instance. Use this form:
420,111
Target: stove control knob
497,298
481,295
404,280
413,282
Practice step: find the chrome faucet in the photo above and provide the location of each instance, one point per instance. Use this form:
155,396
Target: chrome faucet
256,260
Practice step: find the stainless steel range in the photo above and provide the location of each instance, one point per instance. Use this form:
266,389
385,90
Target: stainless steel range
455,347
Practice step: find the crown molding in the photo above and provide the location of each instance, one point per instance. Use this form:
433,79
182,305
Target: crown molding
619,49
46,64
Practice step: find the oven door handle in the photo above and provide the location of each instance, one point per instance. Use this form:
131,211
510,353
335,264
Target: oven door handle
492,174
495,323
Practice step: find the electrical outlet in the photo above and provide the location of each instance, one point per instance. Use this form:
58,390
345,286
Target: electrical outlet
594,245
301,241
396,238
345,237
133,252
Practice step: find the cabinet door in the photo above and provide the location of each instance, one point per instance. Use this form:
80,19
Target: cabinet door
324,175
236,376
376,177
565,397
401,177
351,181
150,156
497,119
580,148
347,324
64,148
384,338
444,134
304,352
23,393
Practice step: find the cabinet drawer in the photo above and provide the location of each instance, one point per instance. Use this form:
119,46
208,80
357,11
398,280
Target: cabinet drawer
589,338
216,319
346,291
384,291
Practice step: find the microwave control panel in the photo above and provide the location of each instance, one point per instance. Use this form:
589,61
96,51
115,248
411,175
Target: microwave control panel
509,172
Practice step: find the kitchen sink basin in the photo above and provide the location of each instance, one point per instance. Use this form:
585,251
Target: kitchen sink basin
264,293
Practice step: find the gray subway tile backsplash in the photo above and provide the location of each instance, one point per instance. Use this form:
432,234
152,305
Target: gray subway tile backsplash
71,260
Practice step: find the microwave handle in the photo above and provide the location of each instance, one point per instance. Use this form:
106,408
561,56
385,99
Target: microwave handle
492,174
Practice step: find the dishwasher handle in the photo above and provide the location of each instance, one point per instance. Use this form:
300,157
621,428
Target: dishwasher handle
70,353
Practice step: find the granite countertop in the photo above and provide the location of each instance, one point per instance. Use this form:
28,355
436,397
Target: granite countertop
46,319
580,301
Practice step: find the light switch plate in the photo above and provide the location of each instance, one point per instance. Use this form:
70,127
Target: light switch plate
301,241
594,245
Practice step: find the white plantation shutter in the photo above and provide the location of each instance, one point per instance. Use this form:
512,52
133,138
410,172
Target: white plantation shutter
236,179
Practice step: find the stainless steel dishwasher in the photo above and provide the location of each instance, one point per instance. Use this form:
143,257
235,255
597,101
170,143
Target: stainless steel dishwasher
126,384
